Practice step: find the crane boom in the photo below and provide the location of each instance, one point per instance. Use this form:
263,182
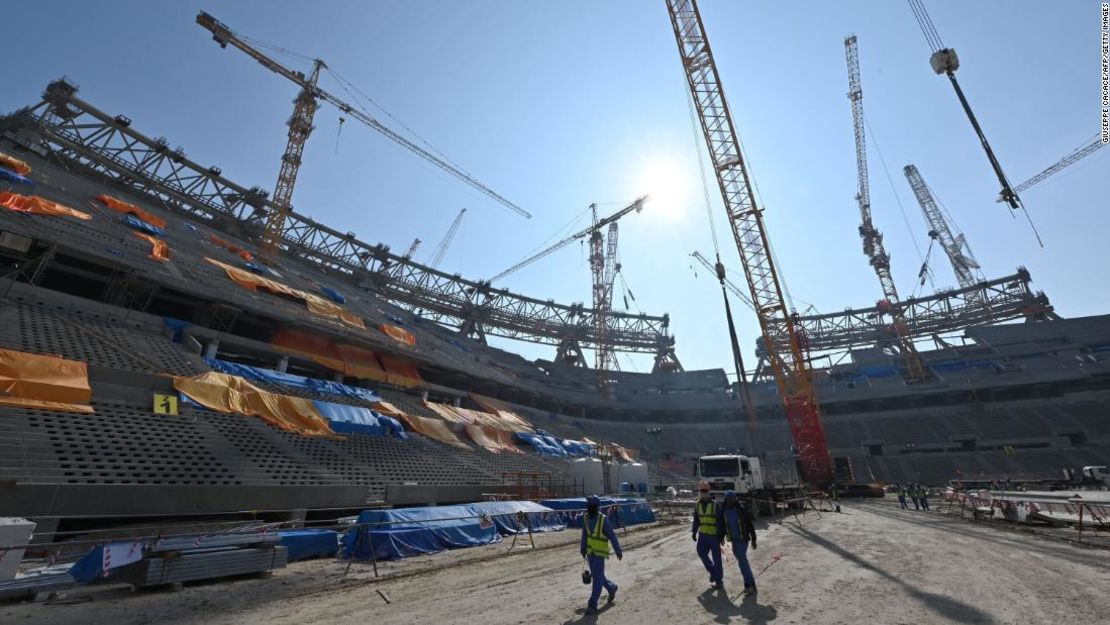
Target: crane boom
950,238
300,126
786,357
1071,158
735,290
637,206
445,243
872,239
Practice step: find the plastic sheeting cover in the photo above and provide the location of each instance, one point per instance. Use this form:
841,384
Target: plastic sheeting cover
622,511
491,439
38,206
44,382
434,429
140,225
312,385
159,249
127,208
540,444
234,395
349,360
11,176
398,334
309,543
14,164
316,304
359,420
400,371
333,295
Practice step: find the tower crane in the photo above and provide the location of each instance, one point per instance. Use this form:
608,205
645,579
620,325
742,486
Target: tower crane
786,358
300,127
412,248
603,270
944,61
441,249
637,206
873,246
1068,160
941,230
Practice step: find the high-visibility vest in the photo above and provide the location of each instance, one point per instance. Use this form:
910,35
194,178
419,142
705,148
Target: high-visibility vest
707,519
597,543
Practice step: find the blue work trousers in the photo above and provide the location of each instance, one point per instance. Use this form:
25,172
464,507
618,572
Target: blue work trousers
925,503
916,505
709,550
902,501
597,572
740,550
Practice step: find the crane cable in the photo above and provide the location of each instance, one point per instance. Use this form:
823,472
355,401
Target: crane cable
925,23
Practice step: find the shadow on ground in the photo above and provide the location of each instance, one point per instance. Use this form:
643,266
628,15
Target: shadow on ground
947,607
718,603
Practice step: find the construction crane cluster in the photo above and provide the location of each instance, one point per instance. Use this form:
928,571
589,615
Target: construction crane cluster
301,126
941,230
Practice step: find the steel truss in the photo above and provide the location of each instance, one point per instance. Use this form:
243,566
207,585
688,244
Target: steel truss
86,139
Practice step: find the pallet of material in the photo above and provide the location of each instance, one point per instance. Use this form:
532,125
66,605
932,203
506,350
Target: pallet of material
199,564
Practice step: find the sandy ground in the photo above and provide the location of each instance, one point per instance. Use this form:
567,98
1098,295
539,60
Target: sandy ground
872,564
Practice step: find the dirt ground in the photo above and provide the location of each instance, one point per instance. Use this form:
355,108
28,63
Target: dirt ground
874,563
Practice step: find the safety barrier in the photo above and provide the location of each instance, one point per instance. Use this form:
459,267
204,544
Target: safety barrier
1067,507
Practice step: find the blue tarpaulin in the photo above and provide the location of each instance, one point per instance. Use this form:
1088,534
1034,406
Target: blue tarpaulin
101,559
177,326
139,224
309,543
333,295
622,511
541,444
416,531
313,385
11,176
358,420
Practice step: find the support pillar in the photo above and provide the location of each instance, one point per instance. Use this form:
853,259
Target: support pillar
211,349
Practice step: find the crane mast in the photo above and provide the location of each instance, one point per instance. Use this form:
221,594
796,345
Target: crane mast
603,270
951,239
786,358
872,239
441,249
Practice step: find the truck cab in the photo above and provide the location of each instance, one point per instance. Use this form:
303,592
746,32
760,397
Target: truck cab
1096,475
726,472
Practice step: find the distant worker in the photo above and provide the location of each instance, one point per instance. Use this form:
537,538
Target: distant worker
739,527
707,532
923,496
914,497
902,496
596,536
834,497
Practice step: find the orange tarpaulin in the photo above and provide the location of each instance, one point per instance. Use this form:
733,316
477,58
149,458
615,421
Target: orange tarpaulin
45,382
434,429
491,439
14,164
447,412
231,247
400,335
38,206
510,420
316,304
400,371
349,360
230,394
120,206
389,409
159,249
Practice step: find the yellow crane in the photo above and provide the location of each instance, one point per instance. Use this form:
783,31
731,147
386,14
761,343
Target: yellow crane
300,126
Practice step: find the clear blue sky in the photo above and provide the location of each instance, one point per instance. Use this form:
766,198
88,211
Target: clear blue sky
556,105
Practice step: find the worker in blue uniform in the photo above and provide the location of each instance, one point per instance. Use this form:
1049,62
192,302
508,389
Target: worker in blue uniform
902,496
923,497
597,535
739,525
707,532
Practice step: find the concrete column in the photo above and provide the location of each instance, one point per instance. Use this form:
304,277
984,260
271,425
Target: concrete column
457,402
424,395
283,364
211,349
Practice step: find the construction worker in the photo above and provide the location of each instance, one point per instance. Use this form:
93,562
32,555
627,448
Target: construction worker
902,496
597,534
913,496
923,496
707,533
736,518
834,497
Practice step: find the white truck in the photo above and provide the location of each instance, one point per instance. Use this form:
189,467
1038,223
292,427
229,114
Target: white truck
747,476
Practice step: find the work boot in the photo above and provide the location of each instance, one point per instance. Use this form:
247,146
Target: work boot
719,585
591,610
613,594
750,590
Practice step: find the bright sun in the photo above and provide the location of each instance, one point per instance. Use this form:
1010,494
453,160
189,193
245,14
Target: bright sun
663,180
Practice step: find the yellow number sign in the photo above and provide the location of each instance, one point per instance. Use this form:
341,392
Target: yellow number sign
165,404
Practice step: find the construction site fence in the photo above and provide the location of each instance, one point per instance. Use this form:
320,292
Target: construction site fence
1094,515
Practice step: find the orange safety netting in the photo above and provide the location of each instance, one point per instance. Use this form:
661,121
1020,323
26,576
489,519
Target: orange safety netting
316,304
230,394
38,206
349,360
231,247
434,429
14,164
400,371
400,335
492,439
120,206
159,249
44,382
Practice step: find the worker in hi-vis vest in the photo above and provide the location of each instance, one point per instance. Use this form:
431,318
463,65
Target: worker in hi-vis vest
707,532
739,526
597,534
902,496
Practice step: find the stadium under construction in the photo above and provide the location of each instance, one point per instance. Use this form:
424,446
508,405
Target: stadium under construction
177,345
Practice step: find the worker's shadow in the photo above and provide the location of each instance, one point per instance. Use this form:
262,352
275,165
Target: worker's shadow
583,617
718,603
